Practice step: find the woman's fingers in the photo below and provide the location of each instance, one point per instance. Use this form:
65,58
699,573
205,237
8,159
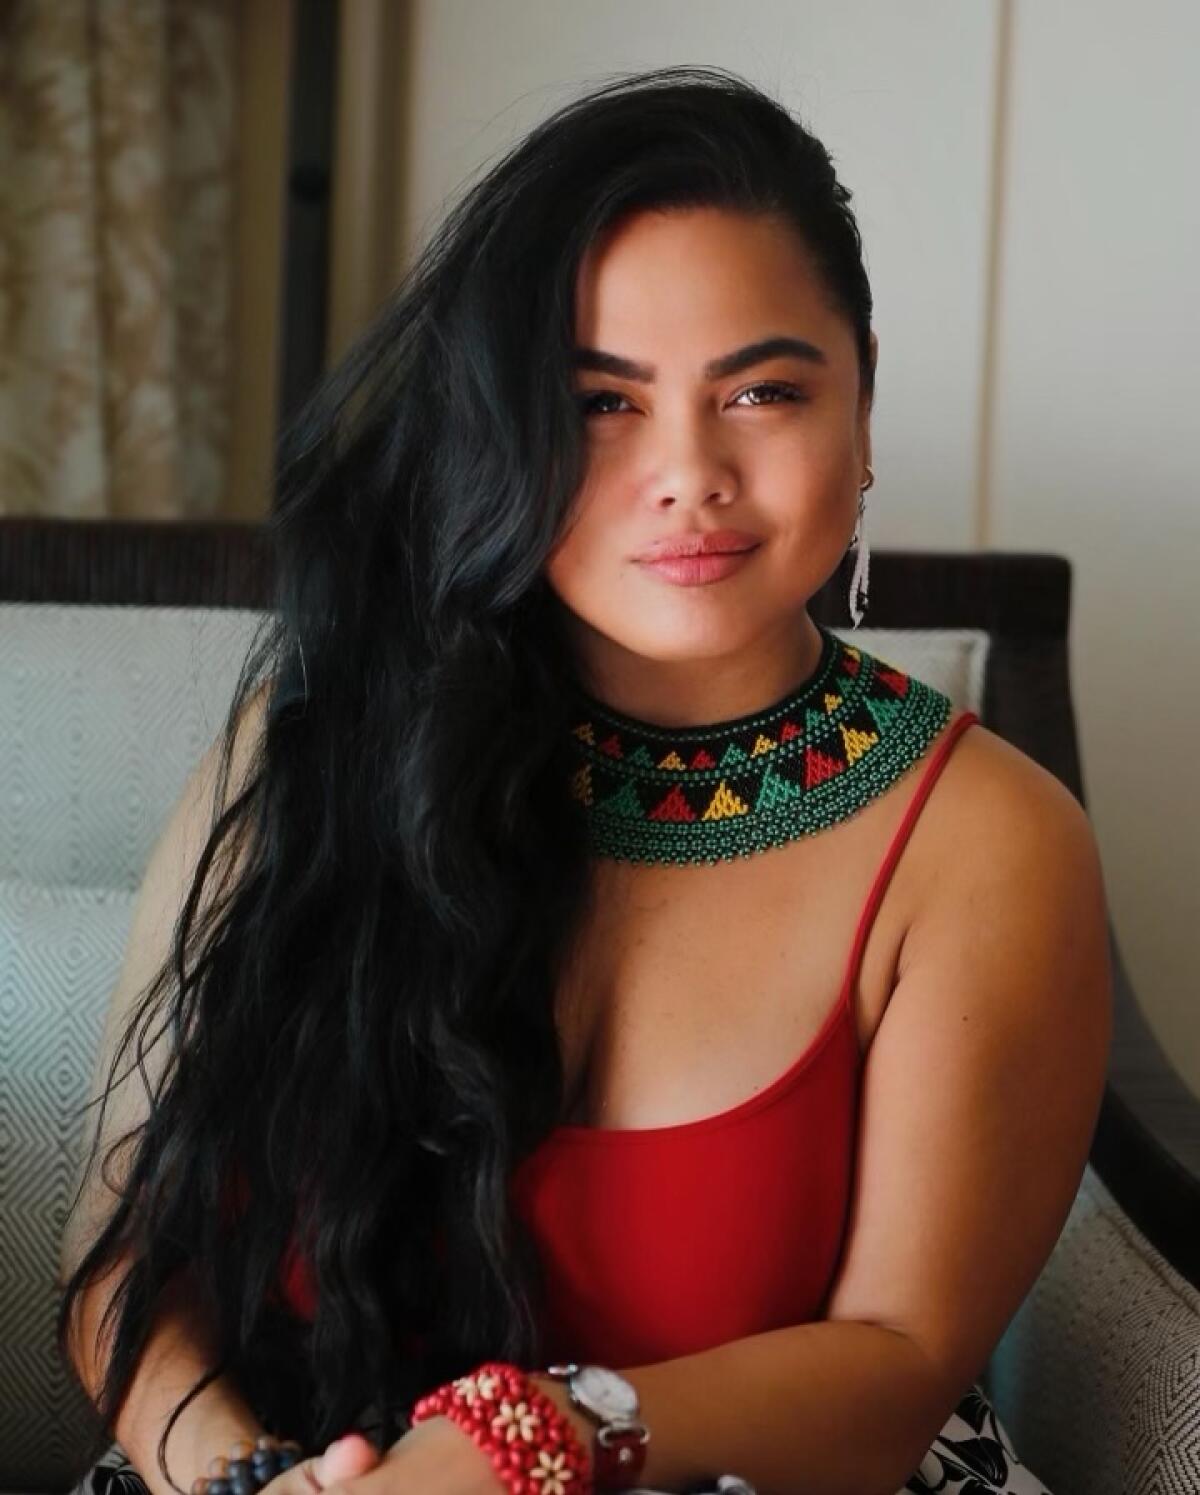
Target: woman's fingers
348,1456
343,1459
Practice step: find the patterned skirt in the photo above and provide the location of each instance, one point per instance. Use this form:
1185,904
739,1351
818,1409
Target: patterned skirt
973,1452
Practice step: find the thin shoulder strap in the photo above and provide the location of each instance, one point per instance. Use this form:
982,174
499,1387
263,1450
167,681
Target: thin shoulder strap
932,769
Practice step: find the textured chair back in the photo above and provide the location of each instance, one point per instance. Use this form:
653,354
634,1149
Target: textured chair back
103,713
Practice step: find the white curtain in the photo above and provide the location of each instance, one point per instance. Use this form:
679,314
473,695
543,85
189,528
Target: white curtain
117,124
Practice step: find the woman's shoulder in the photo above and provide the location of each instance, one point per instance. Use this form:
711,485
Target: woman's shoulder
987,787
991,784
994,819
1003,831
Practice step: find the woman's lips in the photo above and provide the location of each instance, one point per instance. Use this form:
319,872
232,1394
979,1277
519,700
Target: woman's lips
695,570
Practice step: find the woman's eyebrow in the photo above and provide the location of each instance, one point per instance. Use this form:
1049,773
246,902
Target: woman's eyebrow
719,368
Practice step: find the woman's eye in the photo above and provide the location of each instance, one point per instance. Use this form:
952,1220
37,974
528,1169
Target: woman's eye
586,401
788,393
775,393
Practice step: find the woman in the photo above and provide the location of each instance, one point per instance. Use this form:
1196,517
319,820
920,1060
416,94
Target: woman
529,857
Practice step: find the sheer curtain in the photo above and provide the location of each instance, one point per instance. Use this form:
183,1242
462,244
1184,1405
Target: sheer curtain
117,124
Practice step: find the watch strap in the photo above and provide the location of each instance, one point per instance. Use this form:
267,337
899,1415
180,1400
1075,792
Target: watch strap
618,1448
618,1454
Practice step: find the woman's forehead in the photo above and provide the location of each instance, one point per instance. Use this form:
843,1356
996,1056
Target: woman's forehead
690,286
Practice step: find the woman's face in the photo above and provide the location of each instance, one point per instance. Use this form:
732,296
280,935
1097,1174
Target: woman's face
775,447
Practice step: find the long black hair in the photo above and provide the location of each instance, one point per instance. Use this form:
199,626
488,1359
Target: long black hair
363,1016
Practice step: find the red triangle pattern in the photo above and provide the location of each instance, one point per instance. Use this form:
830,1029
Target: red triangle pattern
611,746
788,731
703,759
673,808
819,766
895,678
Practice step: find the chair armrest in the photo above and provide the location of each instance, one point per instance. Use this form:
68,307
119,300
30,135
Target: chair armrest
1147,1142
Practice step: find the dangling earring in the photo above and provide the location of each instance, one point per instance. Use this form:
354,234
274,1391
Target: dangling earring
862,561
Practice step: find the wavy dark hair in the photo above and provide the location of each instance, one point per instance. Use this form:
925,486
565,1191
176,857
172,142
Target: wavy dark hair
362,1018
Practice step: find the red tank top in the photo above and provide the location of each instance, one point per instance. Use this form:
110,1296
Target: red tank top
663,1241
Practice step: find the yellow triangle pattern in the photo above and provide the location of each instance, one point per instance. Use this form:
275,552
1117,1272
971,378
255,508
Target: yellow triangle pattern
762,745
832,702
585,733
725,804
581,785
672,760
857,742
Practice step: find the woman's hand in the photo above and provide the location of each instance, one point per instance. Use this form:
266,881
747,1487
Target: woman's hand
344,1460
435,1457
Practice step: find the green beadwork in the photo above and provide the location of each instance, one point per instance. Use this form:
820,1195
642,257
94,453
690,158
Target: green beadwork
707,794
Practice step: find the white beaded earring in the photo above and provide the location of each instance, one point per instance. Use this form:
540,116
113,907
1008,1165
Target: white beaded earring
862,561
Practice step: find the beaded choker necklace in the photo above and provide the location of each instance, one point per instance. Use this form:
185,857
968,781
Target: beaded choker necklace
710,793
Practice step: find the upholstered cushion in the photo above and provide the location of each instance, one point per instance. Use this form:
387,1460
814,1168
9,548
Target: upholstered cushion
1097,1376
103,713
60,953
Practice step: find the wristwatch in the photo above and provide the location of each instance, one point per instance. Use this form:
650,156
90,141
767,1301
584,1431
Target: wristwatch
619,1445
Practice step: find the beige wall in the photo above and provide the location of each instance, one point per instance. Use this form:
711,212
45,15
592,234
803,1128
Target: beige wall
1019,173
902,95
1097,386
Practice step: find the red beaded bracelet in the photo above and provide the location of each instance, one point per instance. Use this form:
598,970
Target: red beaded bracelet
533,1447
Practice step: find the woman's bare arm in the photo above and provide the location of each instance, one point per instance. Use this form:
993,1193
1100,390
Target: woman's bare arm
179,1350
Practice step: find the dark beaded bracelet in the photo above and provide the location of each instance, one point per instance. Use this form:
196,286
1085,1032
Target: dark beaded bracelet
248,1466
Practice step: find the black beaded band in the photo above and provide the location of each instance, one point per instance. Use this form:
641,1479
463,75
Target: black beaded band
248,1466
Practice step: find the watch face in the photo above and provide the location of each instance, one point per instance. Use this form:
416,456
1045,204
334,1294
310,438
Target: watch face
606,1393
